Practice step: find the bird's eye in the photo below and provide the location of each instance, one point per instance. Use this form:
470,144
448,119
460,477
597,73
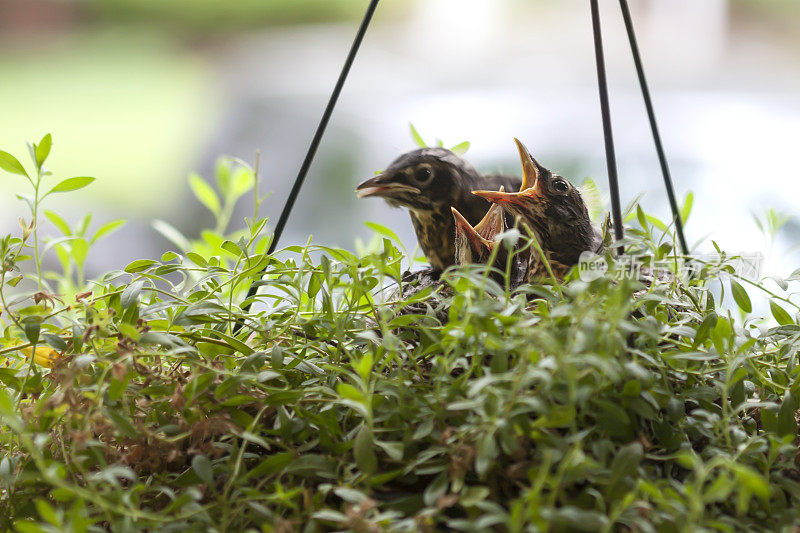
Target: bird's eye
560,186
423,174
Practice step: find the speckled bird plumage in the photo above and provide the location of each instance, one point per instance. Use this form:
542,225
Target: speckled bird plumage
428,182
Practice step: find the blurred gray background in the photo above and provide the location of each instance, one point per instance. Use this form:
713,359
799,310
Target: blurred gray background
138,93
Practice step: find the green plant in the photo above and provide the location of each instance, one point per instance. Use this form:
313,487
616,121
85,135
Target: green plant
348,404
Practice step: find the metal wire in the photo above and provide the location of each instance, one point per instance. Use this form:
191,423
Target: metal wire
605,108
312,149
651,115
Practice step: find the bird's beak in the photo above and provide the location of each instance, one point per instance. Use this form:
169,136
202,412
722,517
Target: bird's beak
493,223
530,170
475,238
381,185
531,182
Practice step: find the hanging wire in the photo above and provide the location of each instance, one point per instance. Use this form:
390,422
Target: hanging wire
605,108
312,150
648,102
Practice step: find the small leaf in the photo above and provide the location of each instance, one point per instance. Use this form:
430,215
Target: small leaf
657,223
33,325
640,215
131,294
705,328
780,314
202,467
55,341
242,181
43,149
787,425
47,512
72,184
366,459
204,193
230,247
139,265
80,250
58,222
107,229
9,163
686,210
170,233
416,136
741,297
461,148
383,230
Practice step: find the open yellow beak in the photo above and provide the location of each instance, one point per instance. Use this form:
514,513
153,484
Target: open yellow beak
530,171
484,231
463,225
530,181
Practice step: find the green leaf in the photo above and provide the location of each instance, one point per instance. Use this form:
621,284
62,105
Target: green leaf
131,294
202,467
383,230
461,148
705,328
780,314
686,210
416,136
58,222
47,513
741,297
393,449
242,182
366,459
43,149
640,215
72,184
9,163
346,390
232,248
107,229
205,194
657,223
172,235
55,341
787,425
33,326
80,250
139,265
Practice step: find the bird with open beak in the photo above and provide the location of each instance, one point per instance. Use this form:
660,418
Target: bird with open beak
555,212
428,182
475,244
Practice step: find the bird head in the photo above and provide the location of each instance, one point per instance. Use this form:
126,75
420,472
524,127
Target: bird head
475,244
425,179
551,206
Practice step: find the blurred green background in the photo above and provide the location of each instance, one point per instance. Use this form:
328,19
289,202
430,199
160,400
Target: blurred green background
138,93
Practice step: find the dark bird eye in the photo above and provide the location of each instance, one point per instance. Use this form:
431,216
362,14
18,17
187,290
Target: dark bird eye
423,174
560,186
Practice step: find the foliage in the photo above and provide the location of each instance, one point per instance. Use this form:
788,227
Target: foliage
345,404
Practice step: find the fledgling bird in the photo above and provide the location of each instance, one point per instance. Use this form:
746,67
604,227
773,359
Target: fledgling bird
555,212
428,182
476,244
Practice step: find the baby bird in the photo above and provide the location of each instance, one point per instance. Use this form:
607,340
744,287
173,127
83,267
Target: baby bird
554,211
475,245
428,182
